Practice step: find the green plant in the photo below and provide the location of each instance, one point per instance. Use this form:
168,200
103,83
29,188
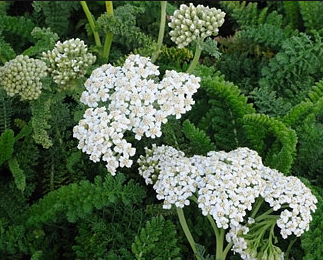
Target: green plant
143,129
157,241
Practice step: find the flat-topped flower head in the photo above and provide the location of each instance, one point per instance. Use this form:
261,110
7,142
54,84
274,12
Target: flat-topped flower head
281,191
22,75
230,186
225,186
226,183
135,101
69,60
190,23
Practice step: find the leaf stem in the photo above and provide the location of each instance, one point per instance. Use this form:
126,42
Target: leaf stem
91,22
196,58
187,232
161,30
109,35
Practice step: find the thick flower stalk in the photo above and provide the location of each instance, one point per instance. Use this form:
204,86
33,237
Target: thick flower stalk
22,76
230,188
69,60
129,99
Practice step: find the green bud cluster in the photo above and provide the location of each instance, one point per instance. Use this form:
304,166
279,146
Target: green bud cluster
190,23
68,61
22,75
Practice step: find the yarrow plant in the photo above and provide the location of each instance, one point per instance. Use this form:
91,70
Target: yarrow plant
194,23
129,98
254,211
69,60
229,189
22,75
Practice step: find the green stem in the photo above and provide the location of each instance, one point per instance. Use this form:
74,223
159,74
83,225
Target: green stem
186,230
227,249
161,30
291,243
219,246
109,35
196,58
265,215
91,22
220,254
257,206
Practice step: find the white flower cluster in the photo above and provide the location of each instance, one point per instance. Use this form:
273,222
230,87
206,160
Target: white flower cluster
128,98
226,183
190,23
230,186
226,186
173,175
69,60
282,191
22,75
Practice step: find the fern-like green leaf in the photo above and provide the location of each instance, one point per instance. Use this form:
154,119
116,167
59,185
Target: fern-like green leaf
157,241
17,173
226,105
46,40
272,139
297,114
311,14
293,15
57,14
316,92
77,200
40,117
6,145
123,26
244,13
18,25
6,51
200,143
6,110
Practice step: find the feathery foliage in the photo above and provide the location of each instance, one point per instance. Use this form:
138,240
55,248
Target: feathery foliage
244,13
316,92
7,142
6,51
272,139
293,14
73,202
40,115
157,241
306,119
289,73
199,142
46,39
6,111
224,107
56,14
124,29
311,14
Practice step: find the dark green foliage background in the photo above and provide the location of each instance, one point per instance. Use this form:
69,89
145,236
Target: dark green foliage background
264,91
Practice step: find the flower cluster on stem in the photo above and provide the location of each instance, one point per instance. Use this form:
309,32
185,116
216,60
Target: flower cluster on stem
129,98
230,186
69,60
22,75
190,23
